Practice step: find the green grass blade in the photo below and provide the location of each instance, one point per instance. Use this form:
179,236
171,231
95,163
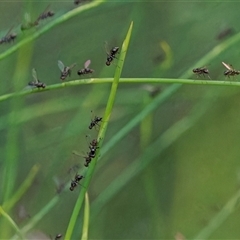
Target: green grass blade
215,223
22,189
101,135
78,82
115,83
39,216
164,141
86,218
137,119
12,223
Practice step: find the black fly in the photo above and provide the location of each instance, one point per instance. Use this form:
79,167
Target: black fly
86,69
45,14
93,148
95,122
36,83
9,37
230,70
65,71
111,55
201,71
76,181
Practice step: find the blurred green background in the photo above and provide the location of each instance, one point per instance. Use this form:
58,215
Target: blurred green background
191,174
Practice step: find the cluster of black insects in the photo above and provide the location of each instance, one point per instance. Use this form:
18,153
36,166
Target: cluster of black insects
93,146
229,72
28,23
65,70
10,37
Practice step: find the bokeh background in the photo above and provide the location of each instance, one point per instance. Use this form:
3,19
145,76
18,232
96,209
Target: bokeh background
187,148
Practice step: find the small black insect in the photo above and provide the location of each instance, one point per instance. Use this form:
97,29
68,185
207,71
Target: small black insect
92,152
76,181
88,160
9,37
93,148
201,71
58,236
86,69
65,71
36,83
95,122
230,70
111,55
45,14
94,143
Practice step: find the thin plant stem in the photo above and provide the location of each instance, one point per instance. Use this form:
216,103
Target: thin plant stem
86,218
101,134
22,189
231,206
121,81
12,223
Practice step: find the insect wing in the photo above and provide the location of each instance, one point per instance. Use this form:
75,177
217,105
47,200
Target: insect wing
87,63
107,48
61,66
34,74
8,33
27,18
229,67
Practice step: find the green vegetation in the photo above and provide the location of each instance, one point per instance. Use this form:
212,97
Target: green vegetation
167,161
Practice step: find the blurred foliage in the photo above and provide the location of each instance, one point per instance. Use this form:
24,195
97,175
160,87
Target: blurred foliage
183,158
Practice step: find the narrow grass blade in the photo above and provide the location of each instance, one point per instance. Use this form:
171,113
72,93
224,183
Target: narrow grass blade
216,222
38,217
22,189
101,135
86,218
156,148
12,223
